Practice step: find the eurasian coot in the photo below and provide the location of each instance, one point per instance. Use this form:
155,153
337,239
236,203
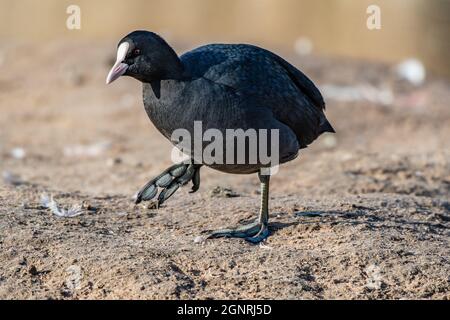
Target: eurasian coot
223,87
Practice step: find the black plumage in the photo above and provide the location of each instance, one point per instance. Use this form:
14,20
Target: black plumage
226,86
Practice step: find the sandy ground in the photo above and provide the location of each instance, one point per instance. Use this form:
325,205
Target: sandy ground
361,214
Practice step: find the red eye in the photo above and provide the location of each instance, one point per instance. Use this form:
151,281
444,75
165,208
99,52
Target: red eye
137,52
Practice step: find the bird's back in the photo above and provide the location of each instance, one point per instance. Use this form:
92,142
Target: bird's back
266,81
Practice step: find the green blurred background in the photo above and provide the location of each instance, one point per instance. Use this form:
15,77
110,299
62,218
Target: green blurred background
410,28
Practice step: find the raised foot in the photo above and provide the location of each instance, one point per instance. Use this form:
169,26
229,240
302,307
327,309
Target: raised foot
254,232
169,182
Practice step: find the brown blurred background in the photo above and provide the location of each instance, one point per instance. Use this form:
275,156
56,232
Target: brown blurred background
360,214
410,28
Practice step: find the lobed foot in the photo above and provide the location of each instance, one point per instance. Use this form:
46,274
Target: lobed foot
170,181
254,232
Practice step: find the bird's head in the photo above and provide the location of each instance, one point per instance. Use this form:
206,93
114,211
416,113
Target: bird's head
146,57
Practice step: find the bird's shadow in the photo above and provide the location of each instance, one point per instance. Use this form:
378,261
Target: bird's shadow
365,216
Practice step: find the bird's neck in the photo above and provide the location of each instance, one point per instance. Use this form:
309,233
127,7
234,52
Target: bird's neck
174,70
170,68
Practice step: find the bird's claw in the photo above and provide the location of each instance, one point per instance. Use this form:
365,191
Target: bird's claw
195,181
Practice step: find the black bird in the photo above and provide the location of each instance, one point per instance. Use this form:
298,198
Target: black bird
225,86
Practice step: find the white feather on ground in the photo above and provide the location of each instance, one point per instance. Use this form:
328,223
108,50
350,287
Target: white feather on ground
50,203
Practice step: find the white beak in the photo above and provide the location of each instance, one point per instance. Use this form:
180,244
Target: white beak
119,68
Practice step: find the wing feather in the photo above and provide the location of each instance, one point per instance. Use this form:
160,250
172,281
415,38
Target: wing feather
265,80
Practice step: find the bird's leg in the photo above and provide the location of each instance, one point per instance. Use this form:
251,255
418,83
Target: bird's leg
254,232
169,181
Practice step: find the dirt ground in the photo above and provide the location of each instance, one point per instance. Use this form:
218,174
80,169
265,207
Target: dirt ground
362,214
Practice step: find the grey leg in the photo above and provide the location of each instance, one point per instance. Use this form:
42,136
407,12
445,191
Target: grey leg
254,232
170,180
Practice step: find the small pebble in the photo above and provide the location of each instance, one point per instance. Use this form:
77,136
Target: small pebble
11,178
18,153
329,141
220,192
412,70
33,270
303,46
113,162
199,239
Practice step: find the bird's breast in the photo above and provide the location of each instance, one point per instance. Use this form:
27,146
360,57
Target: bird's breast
173,105
161,107
204,105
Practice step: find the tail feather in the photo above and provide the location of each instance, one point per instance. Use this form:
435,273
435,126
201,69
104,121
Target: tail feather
325,126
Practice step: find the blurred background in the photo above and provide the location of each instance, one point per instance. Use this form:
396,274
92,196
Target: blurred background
376,193
410,28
